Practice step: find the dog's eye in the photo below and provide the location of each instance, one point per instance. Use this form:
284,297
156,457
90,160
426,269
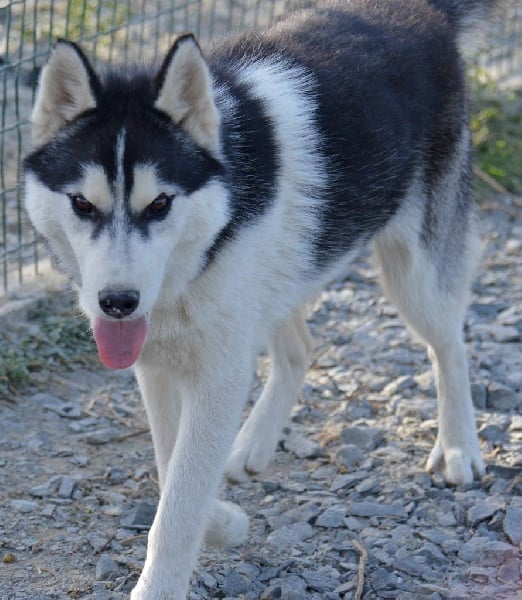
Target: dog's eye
81,205
160,206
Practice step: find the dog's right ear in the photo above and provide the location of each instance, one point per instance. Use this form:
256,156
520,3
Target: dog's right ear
67,87
183,90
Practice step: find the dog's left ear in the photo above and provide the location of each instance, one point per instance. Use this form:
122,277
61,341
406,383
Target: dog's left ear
183,89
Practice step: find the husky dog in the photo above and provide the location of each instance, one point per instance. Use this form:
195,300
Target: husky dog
198,206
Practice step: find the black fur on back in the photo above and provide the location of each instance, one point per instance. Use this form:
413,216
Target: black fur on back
392,101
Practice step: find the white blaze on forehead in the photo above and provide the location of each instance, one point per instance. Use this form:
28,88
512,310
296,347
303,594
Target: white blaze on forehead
96,188
119,183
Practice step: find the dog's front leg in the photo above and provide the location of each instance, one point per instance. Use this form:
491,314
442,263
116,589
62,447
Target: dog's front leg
162,398
211,407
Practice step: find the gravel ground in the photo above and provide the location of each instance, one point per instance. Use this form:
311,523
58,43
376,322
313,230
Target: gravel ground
346,500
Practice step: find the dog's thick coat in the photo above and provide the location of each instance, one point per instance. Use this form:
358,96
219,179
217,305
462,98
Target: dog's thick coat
198,207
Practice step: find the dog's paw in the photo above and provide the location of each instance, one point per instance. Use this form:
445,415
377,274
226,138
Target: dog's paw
458,465
146,590
251,454
228,525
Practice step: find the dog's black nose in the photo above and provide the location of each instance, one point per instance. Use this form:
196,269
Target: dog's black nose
118,303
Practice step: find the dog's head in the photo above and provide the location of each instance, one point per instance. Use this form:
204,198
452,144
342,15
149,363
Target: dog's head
125,184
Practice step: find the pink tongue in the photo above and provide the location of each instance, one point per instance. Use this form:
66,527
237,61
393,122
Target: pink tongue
119,341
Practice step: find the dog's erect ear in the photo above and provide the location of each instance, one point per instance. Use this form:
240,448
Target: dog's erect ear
67,87
184,92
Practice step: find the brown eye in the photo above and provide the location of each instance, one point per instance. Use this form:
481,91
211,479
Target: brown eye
160,206
81,205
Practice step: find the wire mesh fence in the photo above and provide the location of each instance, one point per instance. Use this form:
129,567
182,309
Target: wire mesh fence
503,56
111,30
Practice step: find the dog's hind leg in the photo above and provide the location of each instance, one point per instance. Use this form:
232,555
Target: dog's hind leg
290,349
427,275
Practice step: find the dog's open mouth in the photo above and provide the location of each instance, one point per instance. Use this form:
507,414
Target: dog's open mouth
119,341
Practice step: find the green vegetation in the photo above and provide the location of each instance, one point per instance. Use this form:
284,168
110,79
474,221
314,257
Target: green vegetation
497,133
52,338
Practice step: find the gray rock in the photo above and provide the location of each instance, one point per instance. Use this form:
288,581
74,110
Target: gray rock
48,510
450,546
348,456
249,569
46,489
504,333
353,524
235,583
80,460
83,425
432,554
446,518
415,408
102,436
372,484
289,536
98,542
516,423
24,506
404,382
373,509
271,486
67,486
479,395
493,434
291,587
271,592
67,410
365,438
513,524
301,446
207,579
347,481
307,511
275,519
344,588
500,397
39,442
324,579
487,309
382,579
324,472
512,315
485,552
509,572
106,569
483,510
332,517
46,400
416,569
139,517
